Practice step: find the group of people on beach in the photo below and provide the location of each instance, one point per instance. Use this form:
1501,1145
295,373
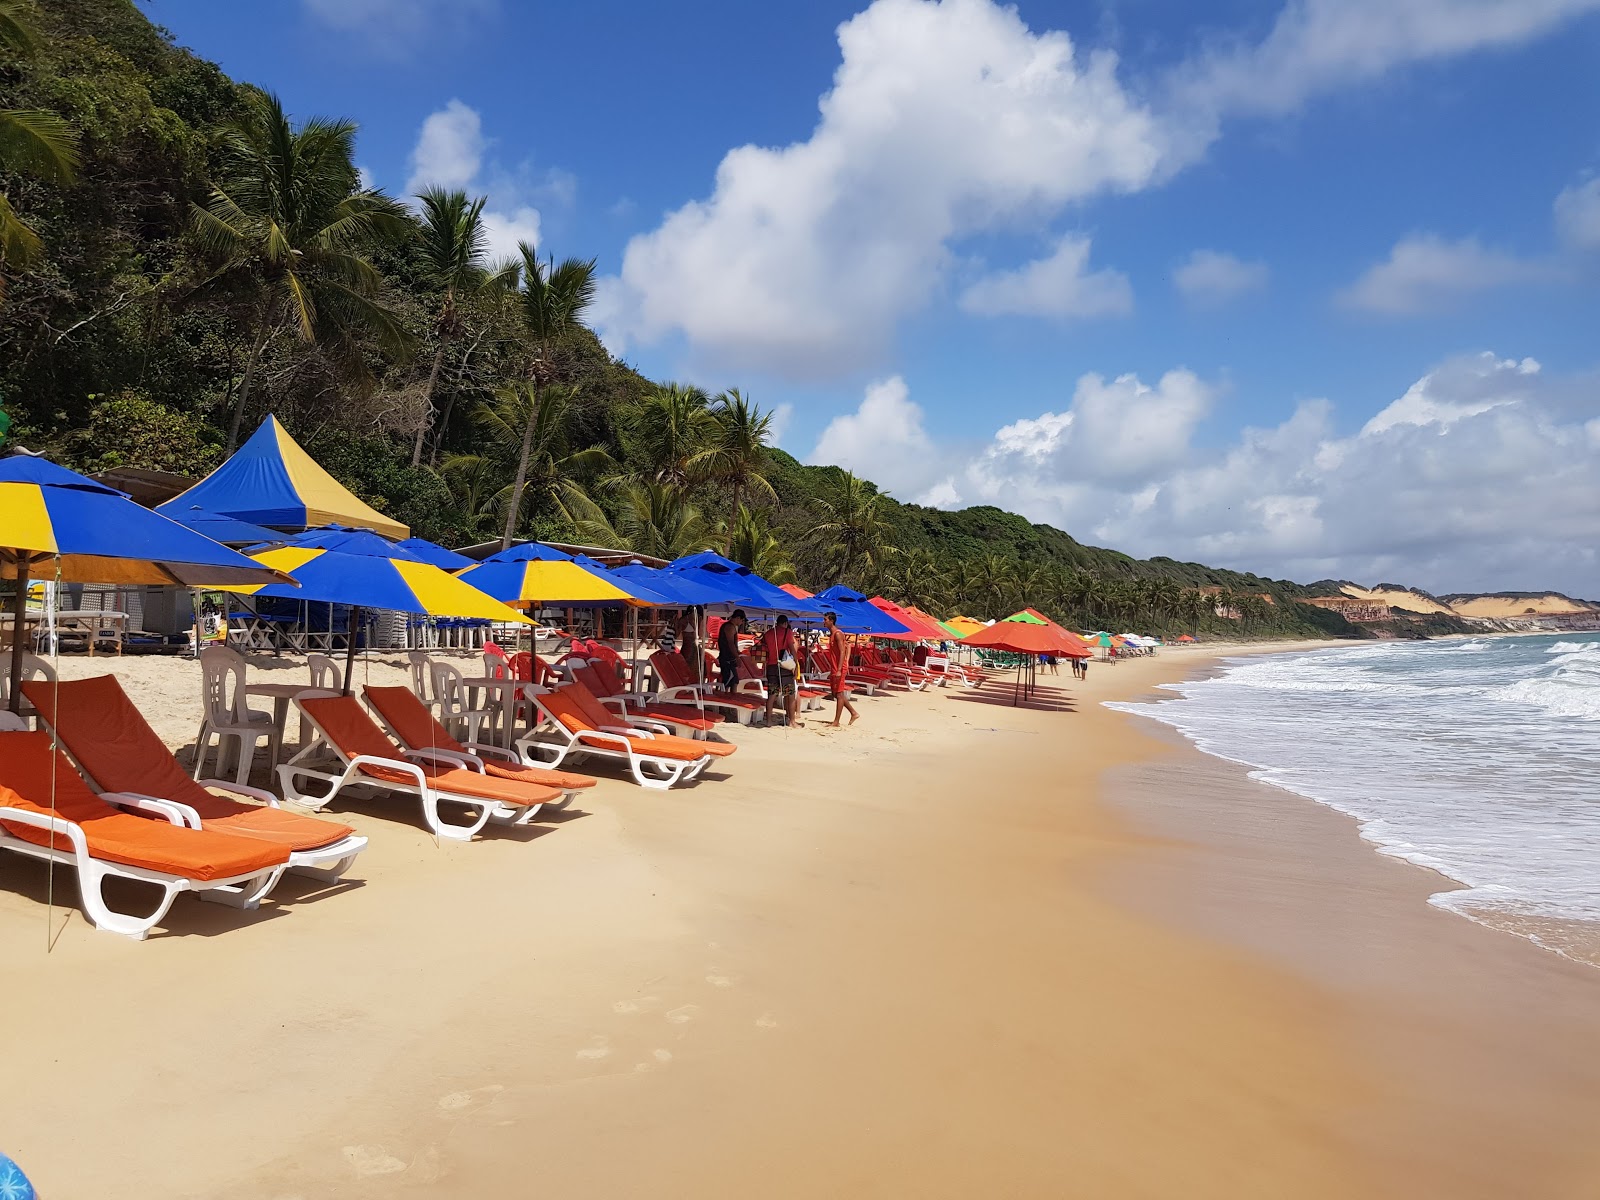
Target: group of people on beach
780,656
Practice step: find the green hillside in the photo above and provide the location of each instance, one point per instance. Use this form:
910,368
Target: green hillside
149,309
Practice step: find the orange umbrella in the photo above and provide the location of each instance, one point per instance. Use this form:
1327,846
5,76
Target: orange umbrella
1024,637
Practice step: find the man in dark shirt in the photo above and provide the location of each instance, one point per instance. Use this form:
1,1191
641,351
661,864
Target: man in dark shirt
728,650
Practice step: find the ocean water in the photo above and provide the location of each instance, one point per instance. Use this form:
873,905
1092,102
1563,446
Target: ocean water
1479,759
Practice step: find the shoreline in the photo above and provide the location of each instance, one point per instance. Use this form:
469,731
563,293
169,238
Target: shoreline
930,955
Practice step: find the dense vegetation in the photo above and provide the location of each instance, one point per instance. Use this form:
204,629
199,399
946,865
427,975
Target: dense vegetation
179,257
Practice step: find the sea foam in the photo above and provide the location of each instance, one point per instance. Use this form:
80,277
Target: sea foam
1477,759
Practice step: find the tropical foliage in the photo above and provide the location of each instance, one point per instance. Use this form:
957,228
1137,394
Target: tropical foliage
182,256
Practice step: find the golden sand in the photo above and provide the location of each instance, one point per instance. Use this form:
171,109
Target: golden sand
917,957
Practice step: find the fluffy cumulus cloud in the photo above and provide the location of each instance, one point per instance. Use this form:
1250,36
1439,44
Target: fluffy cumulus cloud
1210,278
1578,215
1057,285
884,439
945,120
1481,475
949,119
1425,273
451,151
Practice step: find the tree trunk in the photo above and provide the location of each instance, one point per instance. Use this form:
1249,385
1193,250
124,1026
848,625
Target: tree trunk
426,424
244,386
514,509
440,428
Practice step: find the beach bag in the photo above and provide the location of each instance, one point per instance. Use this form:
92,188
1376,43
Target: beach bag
786,661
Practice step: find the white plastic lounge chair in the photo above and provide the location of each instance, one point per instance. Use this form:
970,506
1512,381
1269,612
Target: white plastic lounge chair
580,726
48,812
369,761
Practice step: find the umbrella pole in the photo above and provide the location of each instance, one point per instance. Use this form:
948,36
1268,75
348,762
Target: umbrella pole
19,613
350,649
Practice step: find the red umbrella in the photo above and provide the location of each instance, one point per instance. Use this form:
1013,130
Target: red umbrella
921,629
1024,637
795,590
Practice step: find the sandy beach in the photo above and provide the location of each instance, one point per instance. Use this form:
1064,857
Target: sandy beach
960,949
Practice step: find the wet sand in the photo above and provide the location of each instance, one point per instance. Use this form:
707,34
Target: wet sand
960,949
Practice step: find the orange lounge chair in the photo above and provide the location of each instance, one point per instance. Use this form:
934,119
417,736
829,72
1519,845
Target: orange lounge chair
599,676
678,685
753,682
581,725
369,760
860,681
117,751
48,812
411,724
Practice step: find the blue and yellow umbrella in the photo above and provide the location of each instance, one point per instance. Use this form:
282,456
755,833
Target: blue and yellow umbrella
90,533
358,568
271,480
533,573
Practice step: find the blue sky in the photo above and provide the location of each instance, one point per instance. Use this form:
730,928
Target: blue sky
1347,250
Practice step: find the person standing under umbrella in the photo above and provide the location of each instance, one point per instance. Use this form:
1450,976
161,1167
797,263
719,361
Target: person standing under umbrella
728,650
778,652
839,652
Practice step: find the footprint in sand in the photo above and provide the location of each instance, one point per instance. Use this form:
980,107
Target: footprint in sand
721,980
600,1049
642,1004
662,1058
682,1016
373,1160
457,1102
766,1021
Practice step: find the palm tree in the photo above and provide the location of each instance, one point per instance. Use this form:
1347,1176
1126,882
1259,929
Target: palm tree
751,542
32,142
995,581
451,248
553,300
739,448
674,438
915,577
551,462
655,519
288,215
852,529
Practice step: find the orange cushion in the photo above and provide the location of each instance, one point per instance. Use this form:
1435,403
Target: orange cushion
680,749
35,779
565,780
117,749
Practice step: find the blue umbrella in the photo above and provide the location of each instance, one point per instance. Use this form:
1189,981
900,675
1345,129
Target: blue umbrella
857,614
221,528
743,586
432,552
681,589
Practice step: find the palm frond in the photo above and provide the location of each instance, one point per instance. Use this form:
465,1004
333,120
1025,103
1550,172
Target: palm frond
39,143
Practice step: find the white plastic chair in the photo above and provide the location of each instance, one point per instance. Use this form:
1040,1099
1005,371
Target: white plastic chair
228,716
422,678
325,673
454,711
33,667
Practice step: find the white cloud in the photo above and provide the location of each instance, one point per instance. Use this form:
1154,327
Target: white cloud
953,119
1210,278
1480,476
1058,285
452,151
883,440
1319,45
944,120
449,149
1578,215
1425,273
394,28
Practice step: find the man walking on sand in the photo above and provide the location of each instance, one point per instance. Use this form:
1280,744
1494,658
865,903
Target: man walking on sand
778,652
840,653
728,650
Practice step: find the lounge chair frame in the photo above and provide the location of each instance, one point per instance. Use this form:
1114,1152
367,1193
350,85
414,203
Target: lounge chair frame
351,777
649,771
237,891
474,752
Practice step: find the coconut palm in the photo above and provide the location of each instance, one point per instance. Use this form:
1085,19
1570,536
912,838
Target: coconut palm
655,519
852,529
673,440
739,447
451,248
751,542
287,215
915,577
553,300
32,142
551,461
